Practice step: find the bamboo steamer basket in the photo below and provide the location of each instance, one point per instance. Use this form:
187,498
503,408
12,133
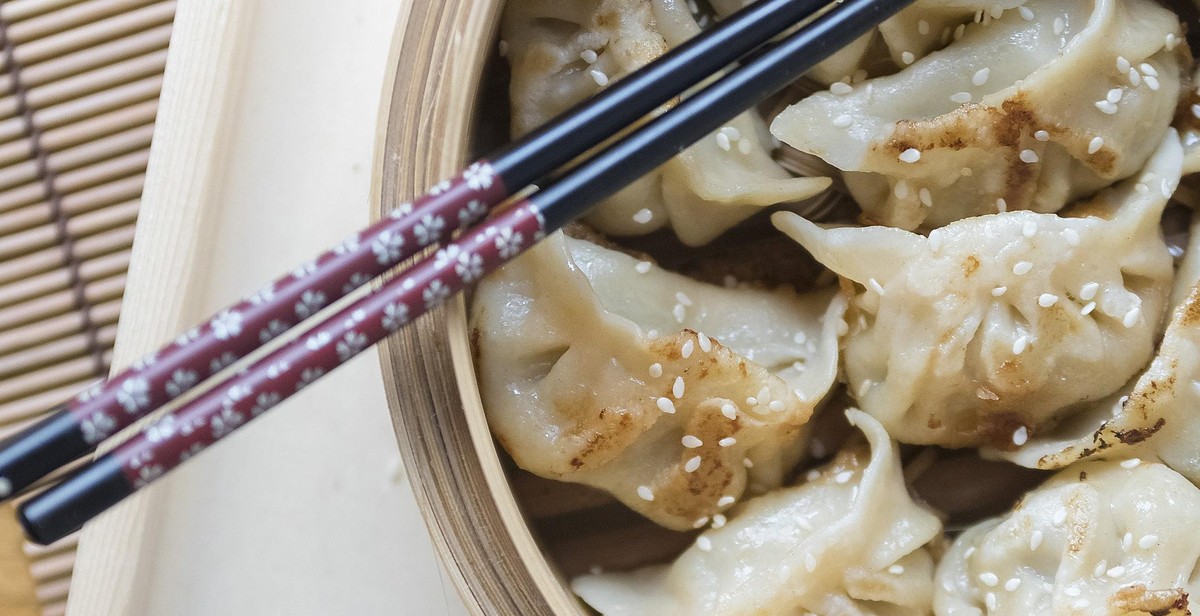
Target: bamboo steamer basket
510,541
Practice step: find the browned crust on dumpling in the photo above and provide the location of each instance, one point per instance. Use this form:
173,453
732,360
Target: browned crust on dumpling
1139,600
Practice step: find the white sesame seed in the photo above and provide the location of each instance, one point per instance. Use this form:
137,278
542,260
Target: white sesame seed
1081,604
665,405
728,441
1022,268
1019,344
981,76
1035,540
1028,156
1147,541
692,464
875,286
656,370
990,601
1089,290
690,441
688,347
747,462
751,401
1115,572
960,97
843,476
683,298
729,410
935,240
1072,591
1029,229
968,552
1131,463
907,57
989,578
923,27
1095,144
1020,436
1060,516
700,523
719,521
725,501
1170,41
911,155
998,291
1147,69
1151,82
896,569
677,388
1071,236
704,544
799,337
1012,584
732,131
705,342
744,146
643,216
843,121
723,142
599,77
925,197
1135,78
1196,111
1059,26
1046,300
1114,95
810,562
1131,317
646,493
901,189
840,88
1122,64
642,267
1026,13
1041,135
777,406
1001,205
588,55
1127,542
1088,308
1106,107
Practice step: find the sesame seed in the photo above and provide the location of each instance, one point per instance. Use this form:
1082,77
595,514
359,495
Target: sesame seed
725,501
810,562
1196,111
705,342
865,387
1026,13
665,405
690,441
599,77
1001,205
704,544
981,76
840,88
643,216
728,441
1071,236
1095,144
896,569
911,155
683,298
700,523
751,401
990,601
989,578
642,267
692,464
1020,436
1106,107
1122,64
1046,300
1127,542
1060,516
1131,317
925,197
1072,591
1019,345
907,57
843,476
723,142
747,462
799,337
843,121
729,410
1081,604
968,552
875,286
1022,268
719,521
1170,41
923,27
901,189
1029,229
1059,25
1147,541
1114,95
935,240
998,291
1028,156
732,131
776,406
1135,78
646,493
686,350
677,388
812,475
1035,540
1089,290
1115,572
1147,69
656,370
1088,308
1151,82
1041,135
588,55
1012,584
1131,463
960,97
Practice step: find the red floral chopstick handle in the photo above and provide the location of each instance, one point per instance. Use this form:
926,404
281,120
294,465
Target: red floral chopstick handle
108,406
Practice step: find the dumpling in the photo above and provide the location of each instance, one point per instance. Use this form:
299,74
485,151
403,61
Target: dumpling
1001,119
850,541
1102,538
1187,121
562,51
993,327
671,394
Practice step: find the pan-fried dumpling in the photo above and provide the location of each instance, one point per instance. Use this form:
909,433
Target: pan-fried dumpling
984,332
1102,538
673,395
563,51
1187,121
1001,118
850,541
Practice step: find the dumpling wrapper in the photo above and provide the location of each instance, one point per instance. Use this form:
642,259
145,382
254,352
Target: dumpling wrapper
702,192
973,155
848,542
567,335
1097,539
977,335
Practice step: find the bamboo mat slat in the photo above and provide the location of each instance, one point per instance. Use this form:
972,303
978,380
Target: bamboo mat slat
79,86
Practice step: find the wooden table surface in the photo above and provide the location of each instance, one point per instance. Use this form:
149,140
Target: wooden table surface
261,157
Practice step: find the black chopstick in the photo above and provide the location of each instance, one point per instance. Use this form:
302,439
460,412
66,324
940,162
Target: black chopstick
112,477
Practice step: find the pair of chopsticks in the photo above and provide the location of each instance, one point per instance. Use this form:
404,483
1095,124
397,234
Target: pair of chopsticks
79,425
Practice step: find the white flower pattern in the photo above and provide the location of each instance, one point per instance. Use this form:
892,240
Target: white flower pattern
181,381
90,392
97,427
356,280
146,474
145,361
395,315
440,187
400,211
305,269
263,402
220,363
479,176
350,345
435,294
387,247
277,369
348,245
308,376
225,422
162,429
474,211
187,337
429,229
227,324
191,451
508,242
134,394
263,295
317,341
272,330
310,303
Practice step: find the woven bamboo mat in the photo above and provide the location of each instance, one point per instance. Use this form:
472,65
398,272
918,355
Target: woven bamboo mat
78,98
